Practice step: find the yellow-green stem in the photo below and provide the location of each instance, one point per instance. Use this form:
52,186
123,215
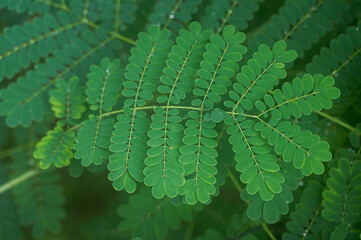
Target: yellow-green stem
12,183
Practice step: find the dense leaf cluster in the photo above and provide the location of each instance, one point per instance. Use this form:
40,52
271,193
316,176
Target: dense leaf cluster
208,94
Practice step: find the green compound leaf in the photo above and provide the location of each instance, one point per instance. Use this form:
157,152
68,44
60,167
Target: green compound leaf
341,198
258,166
24,45
304,95
301,24
143,71
117,15
129,138
182,64
340,231
198,153
23,102
260,75
26,6
163,170
149,218
68,100
160,120
93,138
236,13
129,150
40,201
55,149
304,149
10,227
104,84
253,136
174,14
93,141
305,220
341,60
279,205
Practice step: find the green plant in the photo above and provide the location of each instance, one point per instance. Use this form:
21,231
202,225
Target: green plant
206,131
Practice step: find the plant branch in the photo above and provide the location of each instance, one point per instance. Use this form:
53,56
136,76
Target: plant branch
137,109
338,121
61,6
334,72
269,233
303,19
12,183
235,181
111,33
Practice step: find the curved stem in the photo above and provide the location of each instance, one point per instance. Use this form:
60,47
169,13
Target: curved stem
235,181
137,109
269,233
12,183
338,121
334,72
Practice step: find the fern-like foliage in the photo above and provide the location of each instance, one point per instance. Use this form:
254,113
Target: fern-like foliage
22,101
176,163
341,199
306,221
32,7
233,12
189,102
174,151
271,210
198,153
103,85
149,218
115,14
173,14
298,19
341,60
303,149
163,170
28,44
93,137
253,138
39,201
9,227
93,140
54,149
67,100
129,139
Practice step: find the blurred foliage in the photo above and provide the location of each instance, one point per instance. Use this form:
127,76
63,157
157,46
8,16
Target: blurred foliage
77,201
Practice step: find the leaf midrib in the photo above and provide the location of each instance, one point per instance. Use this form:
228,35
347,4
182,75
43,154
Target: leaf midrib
135,106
